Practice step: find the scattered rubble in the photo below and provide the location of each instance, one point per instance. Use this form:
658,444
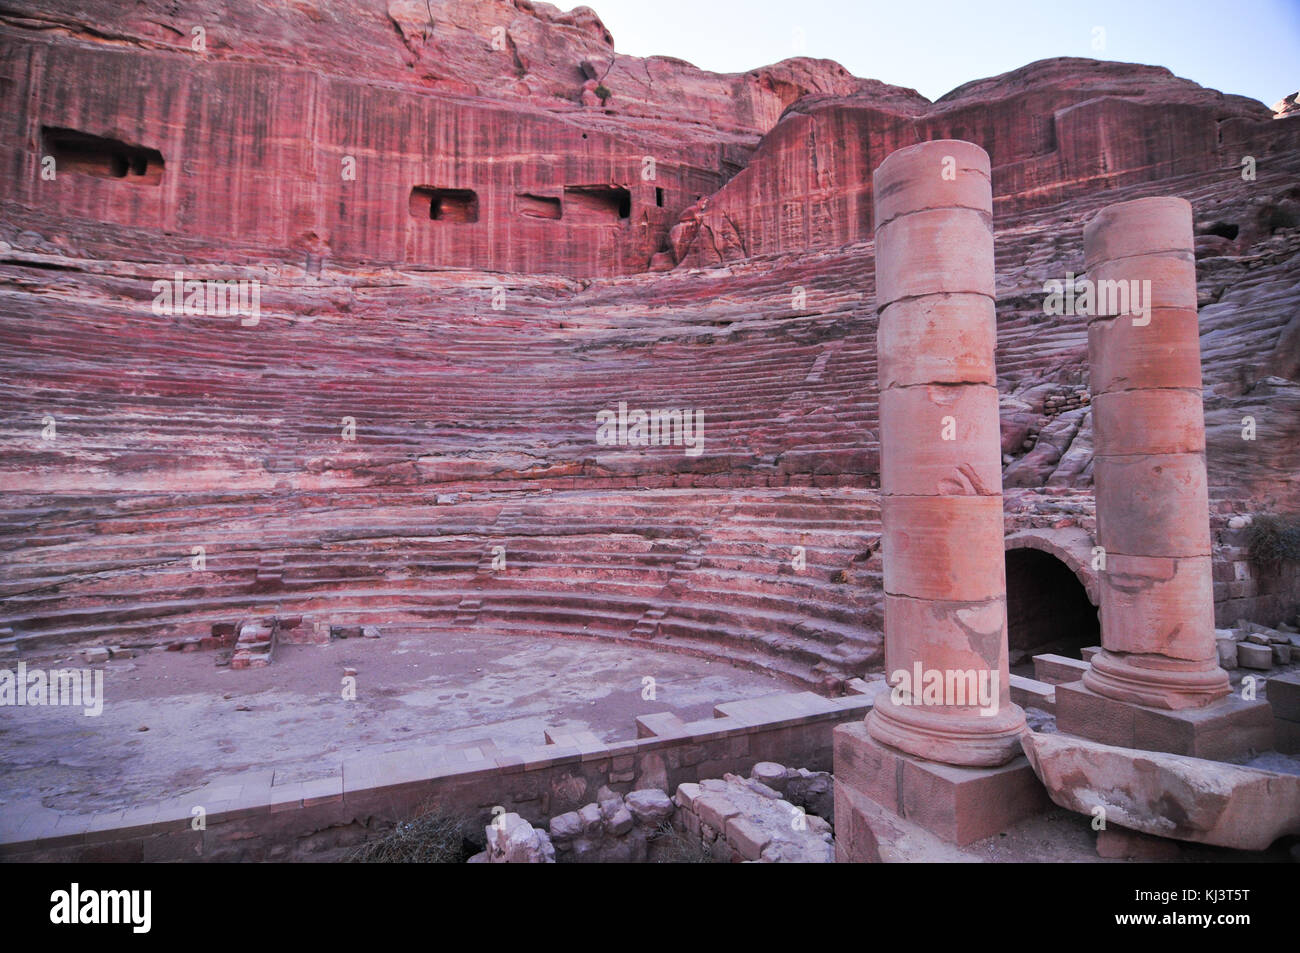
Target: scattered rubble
746,820
732,819
512,840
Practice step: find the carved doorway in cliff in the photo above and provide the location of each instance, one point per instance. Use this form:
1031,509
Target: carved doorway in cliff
1048,609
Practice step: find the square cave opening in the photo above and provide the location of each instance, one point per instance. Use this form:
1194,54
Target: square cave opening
444,205
593,204
75,151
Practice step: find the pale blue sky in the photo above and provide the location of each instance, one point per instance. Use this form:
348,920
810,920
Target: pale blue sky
1249,47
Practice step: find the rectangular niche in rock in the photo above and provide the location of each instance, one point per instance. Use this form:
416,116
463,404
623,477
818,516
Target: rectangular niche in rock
538,206
444,205
596,204
75,151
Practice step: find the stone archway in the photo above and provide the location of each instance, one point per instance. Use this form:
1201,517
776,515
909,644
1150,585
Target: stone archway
1052,593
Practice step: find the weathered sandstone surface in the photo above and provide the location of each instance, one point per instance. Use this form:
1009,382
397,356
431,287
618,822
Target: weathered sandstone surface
1170,795
1054,129
362,132
472,339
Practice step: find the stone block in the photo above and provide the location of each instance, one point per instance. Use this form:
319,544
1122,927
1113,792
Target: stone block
591,819
958,805
746,837
1168,795
692,755
1286,736
649,807
690,822
866,832
963,805
512,840
1227,649
770,774
951,548
1031,693
687,794
1283,693
663,724
1225,730
565,827
620,822
762,790
865,767
1057,669
936,339
715,810
932,252
1253,656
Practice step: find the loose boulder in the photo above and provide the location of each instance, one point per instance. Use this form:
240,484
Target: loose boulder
1169,795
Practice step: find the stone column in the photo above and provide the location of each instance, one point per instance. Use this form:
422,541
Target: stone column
1157,595
941,463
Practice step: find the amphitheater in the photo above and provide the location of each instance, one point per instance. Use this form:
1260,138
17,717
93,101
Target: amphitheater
364,547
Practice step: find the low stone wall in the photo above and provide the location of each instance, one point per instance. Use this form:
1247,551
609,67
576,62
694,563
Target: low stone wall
254,816
1244,590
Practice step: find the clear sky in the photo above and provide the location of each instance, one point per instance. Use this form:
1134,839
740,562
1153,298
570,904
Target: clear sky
1248,47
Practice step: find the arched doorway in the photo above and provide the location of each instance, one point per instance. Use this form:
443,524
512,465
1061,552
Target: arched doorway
1048,609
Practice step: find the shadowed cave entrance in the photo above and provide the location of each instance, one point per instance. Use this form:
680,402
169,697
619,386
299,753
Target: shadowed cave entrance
1048,609
75,151
444,205
597,204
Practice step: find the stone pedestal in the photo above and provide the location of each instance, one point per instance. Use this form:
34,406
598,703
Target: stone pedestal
1224,731
1157,598
957,804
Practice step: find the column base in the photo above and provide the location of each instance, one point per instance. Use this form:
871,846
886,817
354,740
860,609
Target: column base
1226,730
1155,681
935,734
959,805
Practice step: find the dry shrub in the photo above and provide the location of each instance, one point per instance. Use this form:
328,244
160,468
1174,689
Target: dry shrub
673,846
433,837
1274,540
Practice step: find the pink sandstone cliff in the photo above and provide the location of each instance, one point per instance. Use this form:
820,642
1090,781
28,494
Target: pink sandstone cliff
1053,129
749,293
484,110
